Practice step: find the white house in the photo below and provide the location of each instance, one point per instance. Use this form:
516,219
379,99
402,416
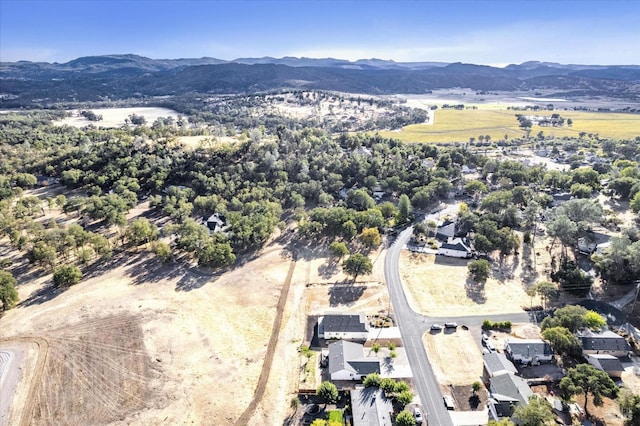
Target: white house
347,361
343,326
456,247
528,351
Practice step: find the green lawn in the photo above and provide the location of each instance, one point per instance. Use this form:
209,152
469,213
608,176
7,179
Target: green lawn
459,126
335,416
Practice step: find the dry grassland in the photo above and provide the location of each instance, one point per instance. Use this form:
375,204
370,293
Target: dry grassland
460,125
144,343
440,286
455,357
115,117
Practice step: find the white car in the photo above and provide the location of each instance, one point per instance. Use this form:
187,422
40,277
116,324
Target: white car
436,327
417,414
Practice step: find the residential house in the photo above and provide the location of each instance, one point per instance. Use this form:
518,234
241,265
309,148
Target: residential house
586,245
428,163
446,230
363,151
560,198
528,351
496,364
607,363
216,223
370,407
468,169
343,326
456,247
507,391
347,361
600,248
606,342
378,193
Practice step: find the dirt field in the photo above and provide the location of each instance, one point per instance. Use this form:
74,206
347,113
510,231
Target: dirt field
440,286
114,117
143,343
455,356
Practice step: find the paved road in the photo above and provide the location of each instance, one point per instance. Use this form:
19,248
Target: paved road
413,326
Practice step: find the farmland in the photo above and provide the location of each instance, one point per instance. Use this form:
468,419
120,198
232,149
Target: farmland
460,125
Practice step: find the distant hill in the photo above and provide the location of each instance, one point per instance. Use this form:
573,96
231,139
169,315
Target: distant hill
93,78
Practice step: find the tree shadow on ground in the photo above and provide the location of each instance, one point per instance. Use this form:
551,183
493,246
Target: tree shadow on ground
528,274
42,295
328,269
341,294
152,269
475,291
474,402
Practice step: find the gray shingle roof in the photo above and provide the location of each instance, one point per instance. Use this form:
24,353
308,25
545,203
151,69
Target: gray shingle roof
345,355
529,347
495,362
344,323
608,362
605,341
512,387
370,407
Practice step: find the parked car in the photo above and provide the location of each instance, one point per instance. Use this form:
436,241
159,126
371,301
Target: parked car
451,325
448,402
436,327
485,338
417,414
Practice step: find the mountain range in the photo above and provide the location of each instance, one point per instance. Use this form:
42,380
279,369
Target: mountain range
95,78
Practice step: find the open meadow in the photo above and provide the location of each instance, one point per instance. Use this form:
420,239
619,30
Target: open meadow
460,125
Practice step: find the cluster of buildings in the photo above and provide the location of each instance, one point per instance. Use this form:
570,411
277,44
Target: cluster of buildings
508,389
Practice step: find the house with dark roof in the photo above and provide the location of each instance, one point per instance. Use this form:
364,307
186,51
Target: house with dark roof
216,223
528,351
343,326
347,361
446,230
607,363
370,407
456,247
560,198
606,342
496,364
507,391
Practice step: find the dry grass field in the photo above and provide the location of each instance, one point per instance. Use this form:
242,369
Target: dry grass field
138,342
440,286
460,125
115,117
455,356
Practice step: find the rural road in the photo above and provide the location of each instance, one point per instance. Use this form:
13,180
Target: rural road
413,326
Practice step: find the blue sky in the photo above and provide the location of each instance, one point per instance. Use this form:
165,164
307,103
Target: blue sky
482,32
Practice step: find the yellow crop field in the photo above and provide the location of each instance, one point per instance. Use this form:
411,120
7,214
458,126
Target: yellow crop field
460,125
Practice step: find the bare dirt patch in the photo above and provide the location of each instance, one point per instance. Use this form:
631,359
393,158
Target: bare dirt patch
440,286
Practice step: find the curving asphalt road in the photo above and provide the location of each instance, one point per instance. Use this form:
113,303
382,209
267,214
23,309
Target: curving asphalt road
413,326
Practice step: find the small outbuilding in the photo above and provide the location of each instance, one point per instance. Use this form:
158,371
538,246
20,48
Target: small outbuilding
607,363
